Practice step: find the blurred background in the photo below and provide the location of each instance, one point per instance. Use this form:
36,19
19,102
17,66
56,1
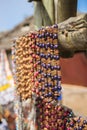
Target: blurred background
16,18
13,13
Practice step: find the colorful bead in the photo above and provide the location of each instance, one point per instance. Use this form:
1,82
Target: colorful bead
38,74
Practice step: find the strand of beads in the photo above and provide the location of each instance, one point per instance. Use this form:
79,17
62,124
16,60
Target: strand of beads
23,67
38,74
50,76
50,114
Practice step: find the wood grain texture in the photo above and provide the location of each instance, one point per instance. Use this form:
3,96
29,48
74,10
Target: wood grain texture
44,13
73,35
66,9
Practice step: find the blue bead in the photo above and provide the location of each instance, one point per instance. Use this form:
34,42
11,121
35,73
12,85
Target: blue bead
56,57
46,85
80,128
40,45
60,97
55,67
43,89
42,55
50,94
59,77
59,88
75,128
49,75
51,46
72,125
52,67
48,44
78,120
47,34
55,26
49,65
55,36
85,122
56,46
58,68
55,88
55,77
48,55
51,35
45,75
42,35
44,65
43,45
52,78
51,57
39,80
49,85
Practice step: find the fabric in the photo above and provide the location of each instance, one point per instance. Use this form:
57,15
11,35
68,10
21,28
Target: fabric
3,124
6,80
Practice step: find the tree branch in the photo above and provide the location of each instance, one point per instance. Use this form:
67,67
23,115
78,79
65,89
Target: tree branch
73,35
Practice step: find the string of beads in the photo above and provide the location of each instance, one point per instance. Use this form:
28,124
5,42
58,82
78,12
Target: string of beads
38,73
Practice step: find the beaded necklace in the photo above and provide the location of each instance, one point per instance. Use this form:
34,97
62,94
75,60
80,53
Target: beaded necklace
38,73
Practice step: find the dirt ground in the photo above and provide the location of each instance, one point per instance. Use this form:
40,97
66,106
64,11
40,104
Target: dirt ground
75,97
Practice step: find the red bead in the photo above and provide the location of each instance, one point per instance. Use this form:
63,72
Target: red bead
32,70
35,65
33,36
36,74
37,92
30,34
31,61
33,46
34,56
33,80
34,90
36,84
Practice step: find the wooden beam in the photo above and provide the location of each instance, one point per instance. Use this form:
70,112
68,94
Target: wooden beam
72,35
44,13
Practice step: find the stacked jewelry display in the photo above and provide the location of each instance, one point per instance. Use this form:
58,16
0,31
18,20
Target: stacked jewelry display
38,74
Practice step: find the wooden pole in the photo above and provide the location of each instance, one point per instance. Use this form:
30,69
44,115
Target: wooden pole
44,13
66,9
